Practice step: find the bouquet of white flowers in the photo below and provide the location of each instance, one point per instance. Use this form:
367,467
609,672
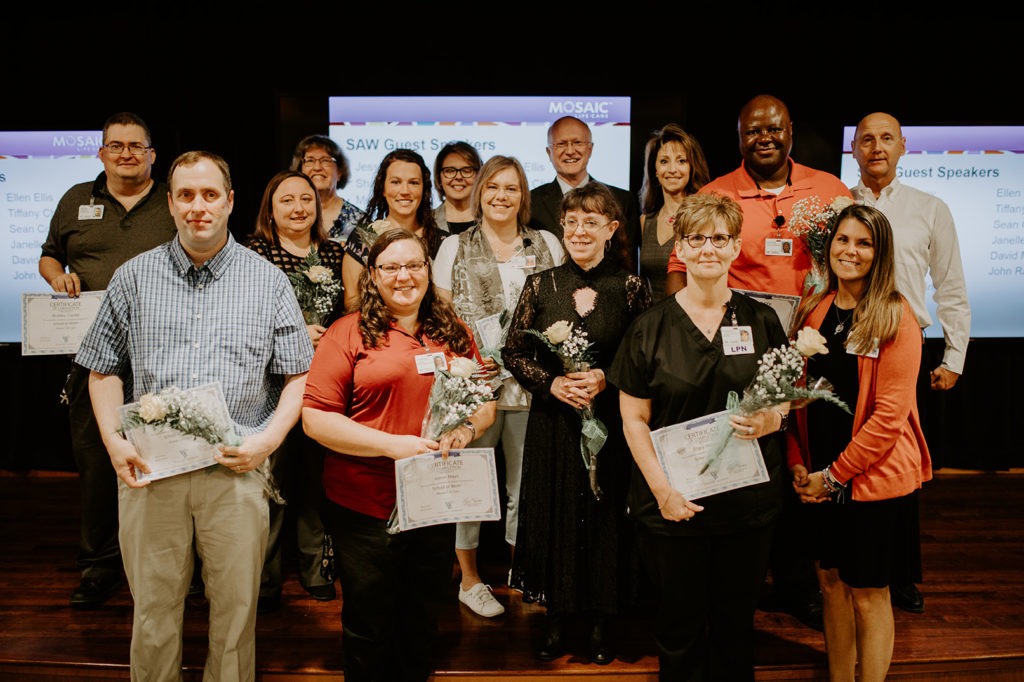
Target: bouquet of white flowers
315,288
572,347
813,221
454,397
780,379
184,411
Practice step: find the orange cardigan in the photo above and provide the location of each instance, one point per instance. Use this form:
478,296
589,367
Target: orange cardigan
888,456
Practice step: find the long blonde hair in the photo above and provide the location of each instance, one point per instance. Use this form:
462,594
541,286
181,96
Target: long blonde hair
880,310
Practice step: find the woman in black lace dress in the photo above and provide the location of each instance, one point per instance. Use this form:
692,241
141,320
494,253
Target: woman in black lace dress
290,224
570,545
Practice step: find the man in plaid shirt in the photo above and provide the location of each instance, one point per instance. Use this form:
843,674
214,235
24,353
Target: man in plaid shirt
197,309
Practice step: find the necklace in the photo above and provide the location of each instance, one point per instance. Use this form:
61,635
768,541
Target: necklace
841,322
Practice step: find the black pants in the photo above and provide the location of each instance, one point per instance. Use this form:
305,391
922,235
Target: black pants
393,587
99,553
298,467
707,590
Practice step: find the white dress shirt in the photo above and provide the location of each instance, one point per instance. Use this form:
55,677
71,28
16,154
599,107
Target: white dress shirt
925,241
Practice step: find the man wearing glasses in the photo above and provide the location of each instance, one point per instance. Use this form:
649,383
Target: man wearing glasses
569,148
96,227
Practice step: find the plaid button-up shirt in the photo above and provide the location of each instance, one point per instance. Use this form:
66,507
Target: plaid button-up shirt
234,320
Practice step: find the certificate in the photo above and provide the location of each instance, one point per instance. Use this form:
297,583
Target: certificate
492,337
784,306
683,449
54,324
168,451
431,489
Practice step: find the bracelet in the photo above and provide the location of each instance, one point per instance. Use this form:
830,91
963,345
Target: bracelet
829,480
472,430
783,420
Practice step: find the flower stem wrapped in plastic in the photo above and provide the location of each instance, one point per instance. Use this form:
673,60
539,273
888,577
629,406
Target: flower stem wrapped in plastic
572,347
780,378
454,397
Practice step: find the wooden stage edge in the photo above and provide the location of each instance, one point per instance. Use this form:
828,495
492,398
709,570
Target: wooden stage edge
972,629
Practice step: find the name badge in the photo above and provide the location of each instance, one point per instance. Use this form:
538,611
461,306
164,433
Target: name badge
737,340
873,353
778,247
425,362
523,261
90,212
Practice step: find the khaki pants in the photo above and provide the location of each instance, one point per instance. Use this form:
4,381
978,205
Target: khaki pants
227,513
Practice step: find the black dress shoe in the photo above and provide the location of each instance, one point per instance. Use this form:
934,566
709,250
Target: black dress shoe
268,603
808,611
550,646
92,592
322,592
598,647
907,597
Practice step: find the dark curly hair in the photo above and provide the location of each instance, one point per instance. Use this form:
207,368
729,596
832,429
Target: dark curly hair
378,206
594,197
437,317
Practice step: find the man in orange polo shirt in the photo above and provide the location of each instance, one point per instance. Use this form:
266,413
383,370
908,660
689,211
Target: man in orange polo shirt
766,185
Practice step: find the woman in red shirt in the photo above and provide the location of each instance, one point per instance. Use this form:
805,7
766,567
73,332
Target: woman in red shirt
867,538
365,400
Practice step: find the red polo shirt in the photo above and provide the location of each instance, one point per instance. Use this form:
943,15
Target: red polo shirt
376,387
752,269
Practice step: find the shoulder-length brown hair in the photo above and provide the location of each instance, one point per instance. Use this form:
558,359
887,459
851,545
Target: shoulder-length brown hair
594,197
651,196
265,227
880,310
437,317
495,165
378,206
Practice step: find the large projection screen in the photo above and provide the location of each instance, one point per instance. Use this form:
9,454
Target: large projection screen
367,128
979,172
36,168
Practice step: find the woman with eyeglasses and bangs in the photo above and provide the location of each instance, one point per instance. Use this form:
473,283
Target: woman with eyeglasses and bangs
573,550
365,400
678,362
320,158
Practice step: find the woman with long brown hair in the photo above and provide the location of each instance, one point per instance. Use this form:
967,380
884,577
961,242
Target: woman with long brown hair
868,467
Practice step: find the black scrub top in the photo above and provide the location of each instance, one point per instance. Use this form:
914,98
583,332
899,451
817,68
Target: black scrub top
666,359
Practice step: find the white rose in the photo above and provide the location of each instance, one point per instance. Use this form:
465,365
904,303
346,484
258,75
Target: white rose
810,342
318,274
380,226
839,203
151,408
462,367
558,332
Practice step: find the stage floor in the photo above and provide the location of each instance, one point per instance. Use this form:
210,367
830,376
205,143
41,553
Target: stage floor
973,626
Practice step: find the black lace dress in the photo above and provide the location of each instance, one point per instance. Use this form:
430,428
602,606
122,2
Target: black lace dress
330,256
572,550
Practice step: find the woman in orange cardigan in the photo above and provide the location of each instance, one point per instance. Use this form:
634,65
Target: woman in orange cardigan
867,536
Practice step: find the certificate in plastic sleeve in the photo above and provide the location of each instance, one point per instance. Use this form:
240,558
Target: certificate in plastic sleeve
431,489
490,333
55,323
168,451
682,450
784,305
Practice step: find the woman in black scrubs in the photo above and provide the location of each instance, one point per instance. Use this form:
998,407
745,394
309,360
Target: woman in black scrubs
707,559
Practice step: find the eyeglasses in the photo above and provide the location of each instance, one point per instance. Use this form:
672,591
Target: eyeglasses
392,269
465,172
718,241
117,148
325,161
563,145
570,225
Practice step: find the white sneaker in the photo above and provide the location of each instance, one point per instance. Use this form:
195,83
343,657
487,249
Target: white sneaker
480,601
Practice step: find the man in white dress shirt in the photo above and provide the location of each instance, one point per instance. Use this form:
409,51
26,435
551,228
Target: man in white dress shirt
926,244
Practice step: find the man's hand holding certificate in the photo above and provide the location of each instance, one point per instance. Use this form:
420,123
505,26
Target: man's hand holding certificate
683,449
177,431
431,489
